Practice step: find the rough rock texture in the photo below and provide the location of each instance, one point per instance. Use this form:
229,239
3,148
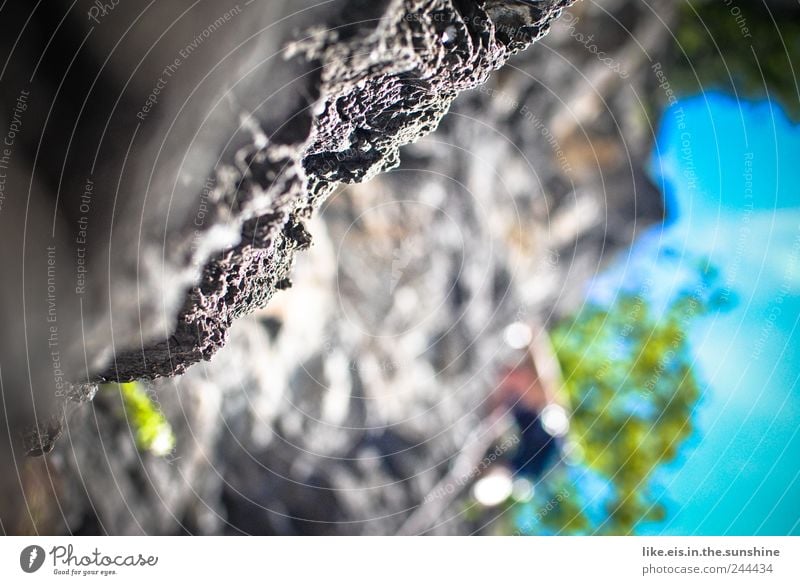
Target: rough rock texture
339,407
380,84
163,160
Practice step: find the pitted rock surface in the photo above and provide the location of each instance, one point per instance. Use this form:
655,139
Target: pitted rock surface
377,85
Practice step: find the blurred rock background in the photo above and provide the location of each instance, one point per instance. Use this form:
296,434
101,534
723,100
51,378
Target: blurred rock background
341,407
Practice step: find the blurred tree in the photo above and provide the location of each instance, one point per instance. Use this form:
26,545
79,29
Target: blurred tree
629,382
748,48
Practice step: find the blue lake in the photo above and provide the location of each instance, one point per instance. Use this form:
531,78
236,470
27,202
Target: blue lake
730,174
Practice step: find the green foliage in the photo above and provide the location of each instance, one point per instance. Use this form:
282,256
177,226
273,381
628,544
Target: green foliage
720,55
152,431
631,388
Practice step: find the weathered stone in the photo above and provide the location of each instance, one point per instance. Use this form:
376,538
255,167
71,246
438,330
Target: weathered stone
379,84
165,160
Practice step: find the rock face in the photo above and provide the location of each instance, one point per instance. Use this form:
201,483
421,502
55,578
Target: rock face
372,87
161,164
341,406
171,168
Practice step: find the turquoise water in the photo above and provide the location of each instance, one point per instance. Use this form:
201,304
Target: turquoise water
730,174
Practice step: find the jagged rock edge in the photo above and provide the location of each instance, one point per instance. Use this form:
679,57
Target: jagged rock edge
367,105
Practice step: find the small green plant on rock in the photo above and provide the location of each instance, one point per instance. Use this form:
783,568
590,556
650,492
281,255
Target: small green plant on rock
152,431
